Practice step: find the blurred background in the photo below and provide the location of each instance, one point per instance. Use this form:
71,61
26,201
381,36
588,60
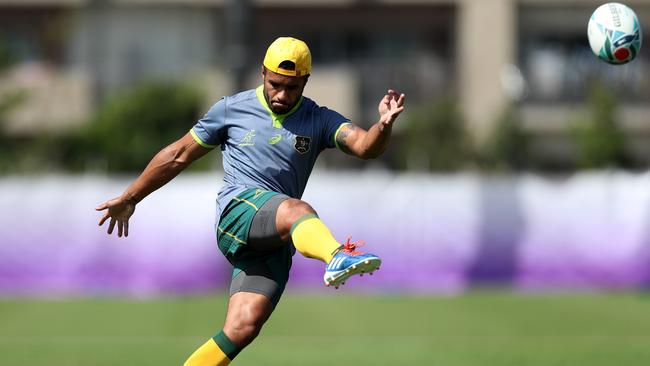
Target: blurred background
511,208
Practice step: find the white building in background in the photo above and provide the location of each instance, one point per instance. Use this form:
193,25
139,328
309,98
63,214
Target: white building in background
487,53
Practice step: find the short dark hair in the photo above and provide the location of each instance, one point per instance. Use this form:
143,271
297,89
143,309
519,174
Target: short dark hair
287,65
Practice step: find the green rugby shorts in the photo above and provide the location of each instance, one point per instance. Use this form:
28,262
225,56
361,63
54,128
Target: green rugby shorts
264,267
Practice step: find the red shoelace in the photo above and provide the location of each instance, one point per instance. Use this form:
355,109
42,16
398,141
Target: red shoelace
350,248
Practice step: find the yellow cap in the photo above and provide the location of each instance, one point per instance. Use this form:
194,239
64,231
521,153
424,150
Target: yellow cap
288,49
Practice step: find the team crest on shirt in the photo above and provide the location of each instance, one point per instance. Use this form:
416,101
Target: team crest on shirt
302,145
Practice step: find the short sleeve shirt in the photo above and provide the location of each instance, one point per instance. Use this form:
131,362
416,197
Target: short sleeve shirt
261,149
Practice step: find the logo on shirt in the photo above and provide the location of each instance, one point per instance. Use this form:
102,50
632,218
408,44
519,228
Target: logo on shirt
248,139
302,144
275,139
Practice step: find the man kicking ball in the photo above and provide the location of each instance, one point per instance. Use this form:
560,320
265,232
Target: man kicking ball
270,138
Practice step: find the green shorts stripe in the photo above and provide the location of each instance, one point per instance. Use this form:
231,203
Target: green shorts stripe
232,236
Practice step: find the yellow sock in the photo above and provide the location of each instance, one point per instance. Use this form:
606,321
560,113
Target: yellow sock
313,239
209,354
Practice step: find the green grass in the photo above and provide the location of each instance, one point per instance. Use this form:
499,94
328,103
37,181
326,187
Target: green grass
479,328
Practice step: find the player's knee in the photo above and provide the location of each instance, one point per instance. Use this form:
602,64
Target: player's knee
295,209
289,212
243,333
303,208
247,313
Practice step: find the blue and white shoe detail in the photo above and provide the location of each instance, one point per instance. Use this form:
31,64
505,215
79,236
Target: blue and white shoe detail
347,262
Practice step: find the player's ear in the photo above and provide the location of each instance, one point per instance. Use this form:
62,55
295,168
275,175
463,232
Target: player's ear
306,79
263,71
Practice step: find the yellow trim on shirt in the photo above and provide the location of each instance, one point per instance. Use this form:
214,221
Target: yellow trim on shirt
336,142
276,119
199,141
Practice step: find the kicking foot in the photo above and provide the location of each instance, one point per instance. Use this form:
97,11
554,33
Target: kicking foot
348,262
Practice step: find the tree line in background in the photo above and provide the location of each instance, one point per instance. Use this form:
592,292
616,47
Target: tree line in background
122,136
130,127
436,139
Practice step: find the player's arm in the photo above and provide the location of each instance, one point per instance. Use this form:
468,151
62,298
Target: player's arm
363,144
167,164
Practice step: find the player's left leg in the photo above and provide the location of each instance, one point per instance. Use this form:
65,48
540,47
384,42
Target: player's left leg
298,220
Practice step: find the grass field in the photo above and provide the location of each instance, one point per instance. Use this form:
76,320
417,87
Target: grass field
479,328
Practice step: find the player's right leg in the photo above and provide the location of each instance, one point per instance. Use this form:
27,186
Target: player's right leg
248,238
247,313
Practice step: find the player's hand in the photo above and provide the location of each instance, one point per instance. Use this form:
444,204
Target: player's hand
390,106
119,211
